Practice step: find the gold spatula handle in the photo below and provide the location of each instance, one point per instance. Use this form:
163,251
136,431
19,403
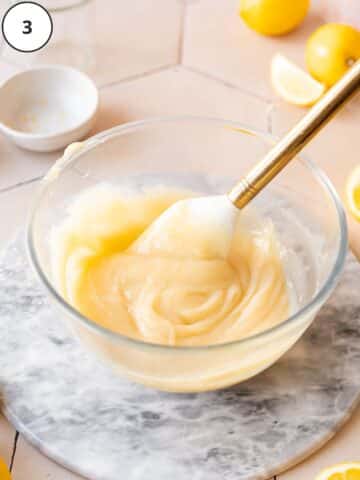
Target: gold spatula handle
296,139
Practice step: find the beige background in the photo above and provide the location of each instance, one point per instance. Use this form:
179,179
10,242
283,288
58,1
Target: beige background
168,57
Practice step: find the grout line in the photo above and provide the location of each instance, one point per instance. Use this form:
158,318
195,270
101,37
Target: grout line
14,451
138,76
224,82
20,184
182,33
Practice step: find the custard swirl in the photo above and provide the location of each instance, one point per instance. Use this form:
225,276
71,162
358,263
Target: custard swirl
165,291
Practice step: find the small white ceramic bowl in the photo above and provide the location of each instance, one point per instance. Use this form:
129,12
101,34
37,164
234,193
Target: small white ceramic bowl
46,108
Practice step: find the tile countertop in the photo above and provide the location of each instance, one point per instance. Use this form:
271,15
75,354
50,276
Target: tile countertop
182,57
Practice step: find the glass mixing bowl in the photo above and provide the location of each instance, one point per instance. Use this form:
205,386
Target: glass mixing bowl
206,155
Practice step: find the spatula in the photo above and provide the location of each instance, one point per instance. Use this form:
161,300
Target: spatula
209,214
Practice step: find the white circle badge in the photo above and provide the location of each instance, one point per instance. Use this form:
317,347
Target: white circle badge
27,26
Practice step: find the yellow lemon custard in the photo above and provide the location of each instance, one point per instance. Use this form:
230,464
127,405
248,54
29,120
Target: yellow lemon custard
166,287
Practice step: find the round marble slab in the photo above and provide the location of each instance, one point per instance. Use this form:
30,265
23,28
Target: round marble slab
83,416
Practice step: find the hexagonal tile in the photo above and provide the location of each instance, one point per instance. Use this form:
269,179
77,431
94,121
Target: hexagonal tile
19,165
6,70
7,437
14,211
217,41
178,92
126,38
28,459
134,37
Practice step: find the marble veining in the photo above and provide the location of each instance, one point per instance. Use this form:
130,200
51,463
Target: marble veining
85,417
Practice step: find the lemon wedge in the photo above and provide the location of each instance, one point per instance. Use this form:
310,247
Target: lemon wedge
352,193
293,84
342,471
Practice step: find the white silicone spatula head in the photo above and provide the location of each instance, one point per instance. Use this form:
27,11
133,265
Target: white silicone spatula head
200,227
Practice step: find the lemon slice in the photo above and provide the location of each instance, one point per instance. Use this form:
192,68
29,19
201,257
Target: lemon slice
293,84
353,194
342,471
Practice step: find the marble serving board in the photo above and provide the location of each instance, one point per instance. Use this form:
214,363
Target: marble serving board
80,414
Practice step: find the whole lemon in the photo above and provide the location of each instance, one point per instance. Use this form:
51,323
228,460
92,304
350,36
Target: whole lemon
331,50
4,472
273,17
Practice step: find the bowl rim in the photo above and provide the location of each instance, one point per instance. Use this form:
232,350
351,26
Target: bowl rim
323,293
12,132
